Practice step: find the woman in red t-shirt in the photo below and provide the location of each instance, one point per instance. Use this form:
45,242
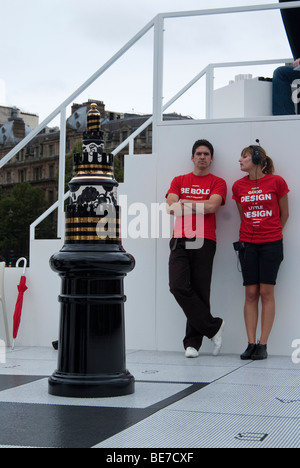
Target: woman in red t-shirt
262,202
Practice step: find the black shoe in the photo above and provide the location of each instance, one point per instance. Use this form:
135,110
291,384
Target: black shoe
55,345
248,353
260,353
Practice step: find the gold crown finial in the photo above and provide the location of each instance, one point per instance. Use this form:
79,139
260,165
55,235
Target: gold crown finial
93,118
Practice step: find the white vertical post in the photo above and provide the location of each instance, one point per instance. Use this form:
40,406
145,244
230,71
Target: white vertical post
131,146
157,77
62,167
209,91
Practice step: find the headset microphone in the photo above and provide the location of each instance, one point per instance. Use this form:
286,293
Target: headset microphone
256,158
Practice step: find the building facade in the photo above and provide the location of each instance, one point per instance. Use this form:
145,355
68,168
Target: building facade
6,113
38,162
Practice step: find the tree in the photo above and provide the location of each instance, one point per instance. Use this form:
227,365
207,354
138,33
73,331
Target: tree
17,212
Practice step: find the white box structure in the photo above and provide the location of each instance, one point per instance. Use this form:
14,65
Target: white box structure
245,97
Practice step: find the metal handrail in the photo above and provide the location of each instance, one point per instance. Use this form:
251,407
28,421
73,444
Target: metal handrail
76,93
158,24
61,110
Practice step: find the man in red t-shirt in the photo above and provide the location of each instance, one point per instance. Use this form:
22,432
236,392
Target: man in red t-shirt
194,199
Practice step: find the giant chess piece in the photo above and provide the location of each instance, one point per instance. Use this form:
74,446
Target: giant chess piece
92,265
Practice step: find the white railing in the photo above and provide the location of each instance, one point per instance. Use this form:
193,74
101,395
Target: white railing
208,72
213,66
158,108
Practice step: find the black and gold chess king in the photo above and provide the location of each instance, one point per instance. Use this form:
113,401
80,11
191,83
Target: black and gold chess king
92,265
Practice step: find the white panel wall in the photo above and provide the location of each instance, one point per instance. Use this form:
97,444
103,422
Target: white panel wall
153,319
140,284
40,316
143,312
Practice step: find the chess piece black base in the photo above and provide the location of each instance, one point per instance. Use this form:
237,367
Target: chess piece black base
91,386
91,351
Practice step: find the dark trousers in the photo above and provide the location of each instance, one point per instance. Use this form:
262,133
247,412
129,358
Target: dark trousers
283,103
190,272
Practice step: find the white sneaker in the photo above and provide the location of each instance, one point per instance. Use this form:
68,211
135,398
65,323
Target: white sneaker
191,352
217,340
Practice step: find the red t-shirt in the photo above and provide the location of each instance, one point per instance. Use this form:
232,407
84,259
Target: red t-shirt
260,203
195,188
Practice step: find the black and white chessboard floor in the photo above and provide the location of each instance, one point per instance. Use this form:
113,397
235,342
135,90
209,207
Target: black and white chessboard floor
178,403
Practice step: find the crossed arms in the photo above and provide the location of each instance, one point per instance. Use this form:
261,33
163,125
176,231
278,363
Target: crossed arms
187,207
